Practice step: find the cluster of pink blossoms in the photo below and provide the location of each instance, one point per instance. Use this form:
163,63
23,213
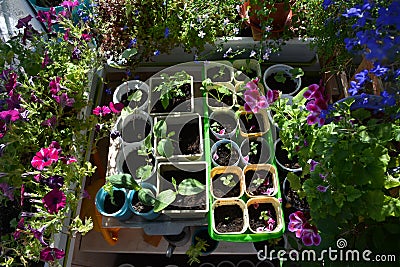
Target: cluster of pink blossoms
303,229
317,104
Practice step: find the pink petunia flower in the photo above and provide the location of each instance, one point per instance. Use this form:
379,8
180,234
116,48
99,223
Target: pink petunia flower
45,157
9,115
64,100
254,100
54,201
51,254
55,85
101,111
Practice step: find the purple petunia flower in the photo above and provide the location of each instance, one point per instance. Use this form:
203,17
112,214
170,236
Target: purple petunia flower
322,188
114,134
39,234
66,34
166,32
54,201
46,59
50,122
322,176
20,227
313,164
64,100
76,53
24,22
51,254
69,4
132,42
45,157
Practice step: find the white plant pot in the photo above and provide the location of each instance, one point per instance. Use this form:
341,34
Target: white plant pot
238,69
280,163
216,115
265,151
214,104
262,120
234,146
180,120
128,127
198,168
155,96
277,68
129,86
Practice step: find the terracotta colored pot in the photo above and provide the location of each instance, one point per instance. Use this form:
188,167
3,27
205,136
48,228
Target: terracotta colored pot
282,18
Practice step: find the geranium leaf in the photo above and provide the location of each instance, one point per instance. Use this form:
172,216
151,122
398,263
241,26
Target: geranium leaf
164,199
190,187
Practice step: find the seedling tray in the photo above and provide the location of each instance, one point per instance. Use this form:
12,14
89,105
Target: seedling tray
247,236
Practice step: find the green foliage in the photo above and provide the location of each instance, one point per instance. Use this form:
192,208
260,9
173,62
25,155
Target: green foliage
228,180
171,86
165,143
220,90
195,250
294,73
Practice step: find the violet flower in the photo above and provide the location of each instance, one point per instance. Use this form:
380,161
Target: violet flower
313,164
310,235
322,188
7,191
55,85
45,157
64,100
24,22
51,254
46,59
39,234
54,201
297,219
215,156
50,122
76,53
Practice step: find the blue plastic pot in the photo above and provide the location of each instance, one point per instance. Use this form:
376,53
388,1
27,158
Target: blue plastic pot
150,215
202,232
123,213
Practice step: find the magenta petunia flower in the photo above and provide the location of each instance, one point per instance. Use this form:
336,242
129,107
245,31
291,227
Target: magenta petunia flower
20,228
66,34
51,254
297,219
55,85
46,60
50,122
54,201
45,157
117,107
9,115
69,4
310,235
86,36
101,111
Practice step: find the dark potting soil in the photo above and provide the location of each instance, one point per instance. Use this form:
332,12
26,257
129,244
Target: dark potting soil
255,213
219,74
228,218
119,198
189,138
221,190
193,202
254,189
182,101
225,122
240,98
261,156
251,123
137,131
134,104
226,156
226,100
9,210
286,87
139,206
282,157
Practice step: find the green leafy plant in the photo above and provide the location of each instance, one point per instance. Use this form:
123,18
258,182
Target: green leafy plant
108,188
165,143
228,180
253,148
220,90
264,215
143,172
195,250
171,86
258,181
295,73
